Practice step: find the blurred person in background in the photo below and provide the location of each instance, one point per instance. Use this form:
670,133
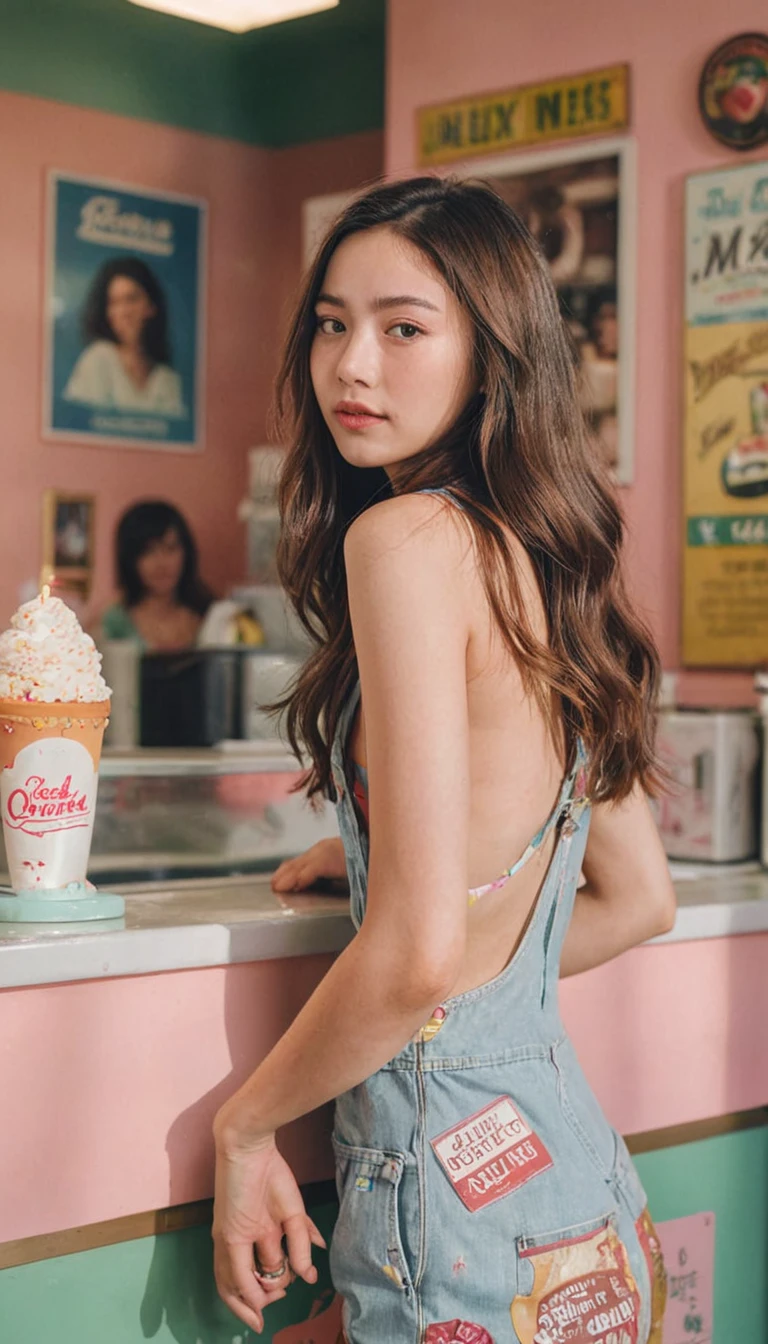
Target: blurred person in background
162,597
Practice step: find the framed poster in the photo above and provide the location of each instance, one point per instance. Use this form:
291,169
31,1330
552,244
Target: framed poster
579,202
124,316
725,567
68,540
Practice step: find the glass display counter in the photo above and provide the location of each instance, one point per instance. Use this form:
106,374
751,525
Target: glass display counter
223,812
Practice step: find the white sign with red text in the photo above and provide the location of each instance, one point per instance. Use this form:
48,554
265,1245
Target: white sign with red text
490,1154
48,800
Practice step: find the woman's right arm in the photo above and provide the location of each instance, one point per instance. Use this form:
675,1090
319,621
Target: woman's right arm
324,860
628,895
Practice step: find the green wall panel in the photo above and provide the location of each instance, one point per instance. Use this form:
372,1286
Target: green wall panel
158,1288
316,77
303,80
111,55
728,1175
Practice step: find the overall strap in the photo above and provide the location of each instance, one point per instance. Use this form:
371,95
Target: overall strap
440,490
570,804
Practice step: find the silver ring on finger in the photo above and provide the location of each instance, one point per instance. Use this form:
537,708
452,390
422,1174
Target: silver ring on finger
271,1275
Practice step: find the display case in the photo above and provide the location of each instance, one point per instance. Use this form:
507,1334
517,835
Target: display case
163,814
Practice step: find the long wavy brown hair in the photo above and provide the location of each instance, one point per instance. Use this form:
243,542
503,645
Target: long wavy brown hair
519,457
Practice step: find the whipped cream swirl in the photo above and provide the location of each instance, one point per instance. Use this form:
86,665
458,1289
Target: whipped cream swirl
46,656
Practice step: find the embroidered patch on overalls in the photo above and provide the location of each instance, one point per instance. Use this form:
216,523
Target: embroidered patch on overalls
649,1241
322,1325
490,1154
583,1293
457,1332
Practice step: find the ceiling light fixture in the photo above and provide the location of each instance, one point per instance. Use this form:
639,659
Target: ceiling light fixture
238,16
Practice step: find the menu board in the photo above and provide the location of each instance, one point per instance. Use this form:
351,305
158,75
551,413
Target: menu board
725,570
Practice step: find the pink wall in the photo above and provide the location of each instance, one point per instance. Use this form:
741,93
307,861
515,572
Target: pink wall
116,1082
443,49
234,178
313,170
254,257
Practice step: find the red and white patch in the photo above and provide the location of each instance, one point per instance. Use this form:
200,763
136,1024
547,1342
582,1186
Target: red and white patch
457,1332
491,1154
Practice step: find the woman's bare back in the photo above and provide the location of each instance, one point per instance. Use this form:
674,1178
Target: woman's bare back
516,772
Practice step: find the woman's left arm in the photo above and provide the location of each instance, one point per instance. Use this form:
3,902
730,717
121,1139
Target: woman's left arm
628,896
410,625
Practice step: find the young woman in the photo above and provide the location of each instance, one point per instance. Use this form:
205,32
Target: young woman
126,364
163,598
480,706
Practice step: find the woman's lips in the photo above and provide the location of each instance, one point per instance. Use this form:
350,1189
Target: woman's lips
357,419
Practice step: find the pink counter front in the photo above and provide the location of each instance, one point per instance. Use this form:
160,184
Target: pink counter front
117,1048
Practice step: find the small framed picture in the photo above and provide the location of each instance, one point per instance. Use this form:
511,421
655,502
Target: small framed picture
68,541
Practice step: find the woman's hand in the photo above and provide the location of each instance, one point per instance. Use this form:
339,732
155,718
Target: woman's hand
257,1204
325,859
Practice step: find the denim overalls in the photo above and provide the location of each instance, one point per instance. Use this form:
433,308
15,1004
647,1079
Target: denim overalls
484,1198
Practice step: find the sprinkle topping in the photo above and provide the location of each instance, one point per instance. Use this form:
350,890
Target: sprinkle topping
46,656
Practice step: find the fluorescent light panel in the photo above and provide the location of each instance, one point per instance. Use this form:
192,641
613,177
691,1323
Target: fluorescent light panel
238,16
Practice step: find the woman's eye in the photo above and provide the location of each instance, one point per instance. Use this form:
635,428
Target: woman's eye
330,326
406,330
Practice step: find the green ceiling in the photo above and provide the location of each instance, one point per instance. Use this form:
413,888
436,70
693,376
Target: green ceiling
298,81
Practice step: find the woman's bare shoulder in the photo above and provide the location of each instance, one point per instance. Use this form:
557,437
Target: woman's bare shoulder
424,527
404,560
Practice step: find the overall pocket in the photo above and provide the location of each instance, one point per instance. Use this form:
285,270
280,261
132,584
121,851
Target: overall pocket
583,1291
367,1246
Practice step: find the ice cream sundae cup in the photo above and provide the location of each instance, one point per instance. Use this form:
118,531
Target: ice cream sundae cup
54,707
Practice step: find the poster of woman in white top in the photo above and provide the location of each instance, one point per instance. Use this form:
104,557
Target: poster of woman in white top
124,316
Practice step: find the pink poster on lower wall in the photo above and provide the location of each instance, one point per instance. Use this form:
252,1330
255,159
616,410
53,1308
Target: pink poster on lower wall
689,1255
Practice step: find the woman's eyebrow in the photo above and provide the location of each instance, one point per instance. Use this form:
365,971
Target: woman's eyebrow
403,301
393,301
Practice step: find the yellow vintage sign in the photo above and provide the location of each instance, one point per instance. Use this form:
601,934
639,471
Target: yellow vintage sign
561,109
725,592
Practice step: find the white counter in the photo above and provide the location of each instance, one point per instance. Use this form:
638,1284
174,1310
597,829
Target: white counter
189,923
203,922
718,900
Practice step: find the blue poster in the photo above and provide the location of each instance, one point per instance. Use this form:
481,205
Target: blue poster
124,316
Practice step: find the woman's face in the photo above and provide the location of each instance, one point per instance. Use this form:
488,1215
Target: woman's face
161,565
391,362
129,307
